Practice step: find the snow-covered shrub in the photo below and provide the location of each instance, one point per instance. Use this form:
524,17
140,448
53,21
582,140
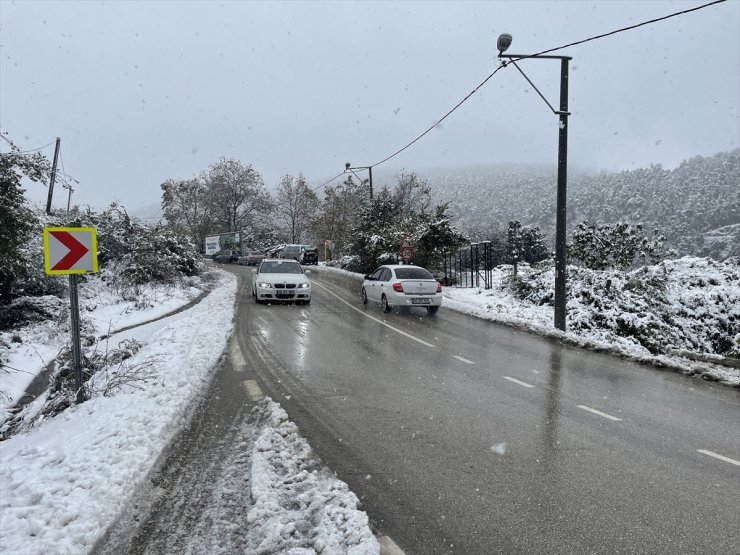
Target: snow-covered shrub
688,304
351,263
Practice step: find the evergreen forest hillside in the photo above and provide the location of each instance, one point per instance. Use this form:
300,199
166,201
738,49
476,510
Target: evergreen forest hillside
696,205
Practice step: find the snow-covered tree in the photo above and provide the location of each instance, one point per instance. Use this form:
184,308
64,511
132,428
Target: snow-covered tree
186,208
16,218
295,206
236,195
619,246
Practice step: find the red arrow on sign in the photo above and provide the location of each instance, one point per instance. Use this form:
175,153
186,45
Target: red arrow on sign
76,250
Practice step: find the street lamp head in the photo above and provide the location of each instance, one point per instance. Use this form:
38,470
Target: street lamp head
503,43
346,166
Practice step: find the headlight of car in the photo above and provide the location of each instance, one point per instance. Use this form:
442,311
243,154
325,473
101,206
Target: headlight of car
264,284
303,285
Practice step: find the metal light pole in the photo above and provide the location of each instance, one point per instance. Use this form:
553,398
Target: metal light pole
504,41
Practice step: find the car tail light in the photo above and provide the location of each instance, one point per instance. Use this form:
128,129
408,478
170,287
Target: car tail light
439,287
398,288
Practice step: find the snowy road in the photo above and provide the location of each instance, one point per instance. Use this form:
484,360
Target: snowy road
465,437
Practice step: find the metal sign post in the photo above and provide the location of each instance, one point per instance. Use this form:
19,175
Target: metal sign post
72,251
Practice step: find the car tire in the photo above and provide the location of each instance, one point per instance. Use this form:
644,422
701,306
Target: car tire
384,304
364,296
431,310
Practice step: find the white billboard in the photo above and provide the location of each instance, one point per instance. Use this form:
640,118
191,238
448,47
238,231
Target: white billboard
215,243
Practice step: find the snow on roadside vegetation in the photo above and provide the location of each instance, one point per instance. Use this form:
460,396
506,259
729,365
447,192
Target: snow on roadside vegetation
665,314
66,479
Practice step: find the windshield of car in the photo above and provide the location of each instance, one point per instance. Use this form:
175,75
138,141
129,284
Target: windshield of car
280,267
413,273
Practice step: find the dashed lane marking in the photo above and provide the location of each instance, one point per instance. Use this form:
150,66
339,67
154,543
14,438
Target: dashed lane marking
461,359
525,384
252,390
598,412
237,359
388,546
718,456
373,318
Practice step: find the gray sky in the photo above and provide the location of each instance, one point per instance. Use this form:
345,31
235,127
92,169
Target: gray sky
141,92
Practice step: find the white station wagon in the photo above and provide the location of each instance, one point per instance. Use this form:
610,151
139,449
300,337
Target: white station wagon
400,285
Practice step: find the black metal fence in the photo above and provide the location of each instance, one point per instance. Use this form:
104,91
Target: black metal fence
471,266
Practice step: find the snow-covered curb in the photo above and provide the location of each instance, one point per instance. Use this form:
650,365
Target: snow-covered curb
503,309
295,497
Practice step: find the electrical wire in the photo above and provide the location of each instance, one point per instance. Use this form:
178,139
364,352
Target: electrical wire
328,181
623,29
26,151
471,93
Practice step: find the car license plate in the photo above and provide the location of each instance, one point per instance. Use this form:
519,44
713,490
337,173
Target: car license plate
421,301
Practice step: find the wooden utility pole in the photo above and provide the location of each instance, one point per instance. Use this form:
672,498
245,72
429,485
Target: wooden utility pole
53,176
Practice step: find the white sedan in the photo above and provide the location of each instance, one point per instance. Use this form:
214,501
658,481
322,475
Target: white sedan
400,285
281,280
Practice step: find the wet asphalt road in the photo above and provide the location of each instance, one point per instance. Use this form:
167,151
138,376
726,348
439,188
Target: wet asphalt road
465,437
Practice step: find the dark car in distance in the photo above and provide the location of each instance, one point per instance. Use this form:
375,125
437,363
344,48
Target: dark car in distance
226,256
310,255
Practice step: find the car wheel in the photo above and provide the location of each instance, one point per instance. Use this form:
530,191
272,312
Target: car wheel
432,310
364,296
384,304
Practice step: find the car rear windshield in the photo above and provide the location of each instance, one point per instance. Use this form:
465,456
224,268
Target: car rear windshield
413,273
280,268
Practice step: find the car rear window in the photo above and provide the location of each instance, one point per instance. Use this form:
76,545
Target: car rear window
413,273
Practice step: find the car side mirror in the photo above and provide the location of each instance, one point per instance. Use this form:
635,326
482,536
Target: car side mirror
368,278
306,271
254,271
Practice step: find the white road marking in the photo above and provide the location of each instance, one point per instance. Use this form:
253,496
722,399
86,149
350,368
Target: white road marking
594,411
461,359
525,384
237,359
718,456
388,546
252,390
375,319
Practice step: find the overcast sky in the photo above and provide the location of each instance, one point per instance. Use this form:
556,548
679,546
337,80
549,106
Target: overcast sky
142,92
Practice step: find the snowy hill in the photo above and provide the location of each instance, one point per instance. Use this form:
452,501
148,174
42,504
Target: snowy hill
696,205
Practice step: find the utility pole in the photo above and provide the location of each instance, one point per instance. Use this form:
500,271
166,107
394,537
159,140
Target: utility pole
53,176
504,41
69,196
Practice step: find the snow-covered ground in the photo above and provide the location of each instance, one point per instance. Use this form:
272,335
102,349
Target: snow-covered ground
65,479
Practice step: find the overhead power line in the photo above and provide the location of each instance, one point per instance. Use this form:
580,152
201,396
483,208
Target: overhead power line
476,89
24,151
325,183
623,29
